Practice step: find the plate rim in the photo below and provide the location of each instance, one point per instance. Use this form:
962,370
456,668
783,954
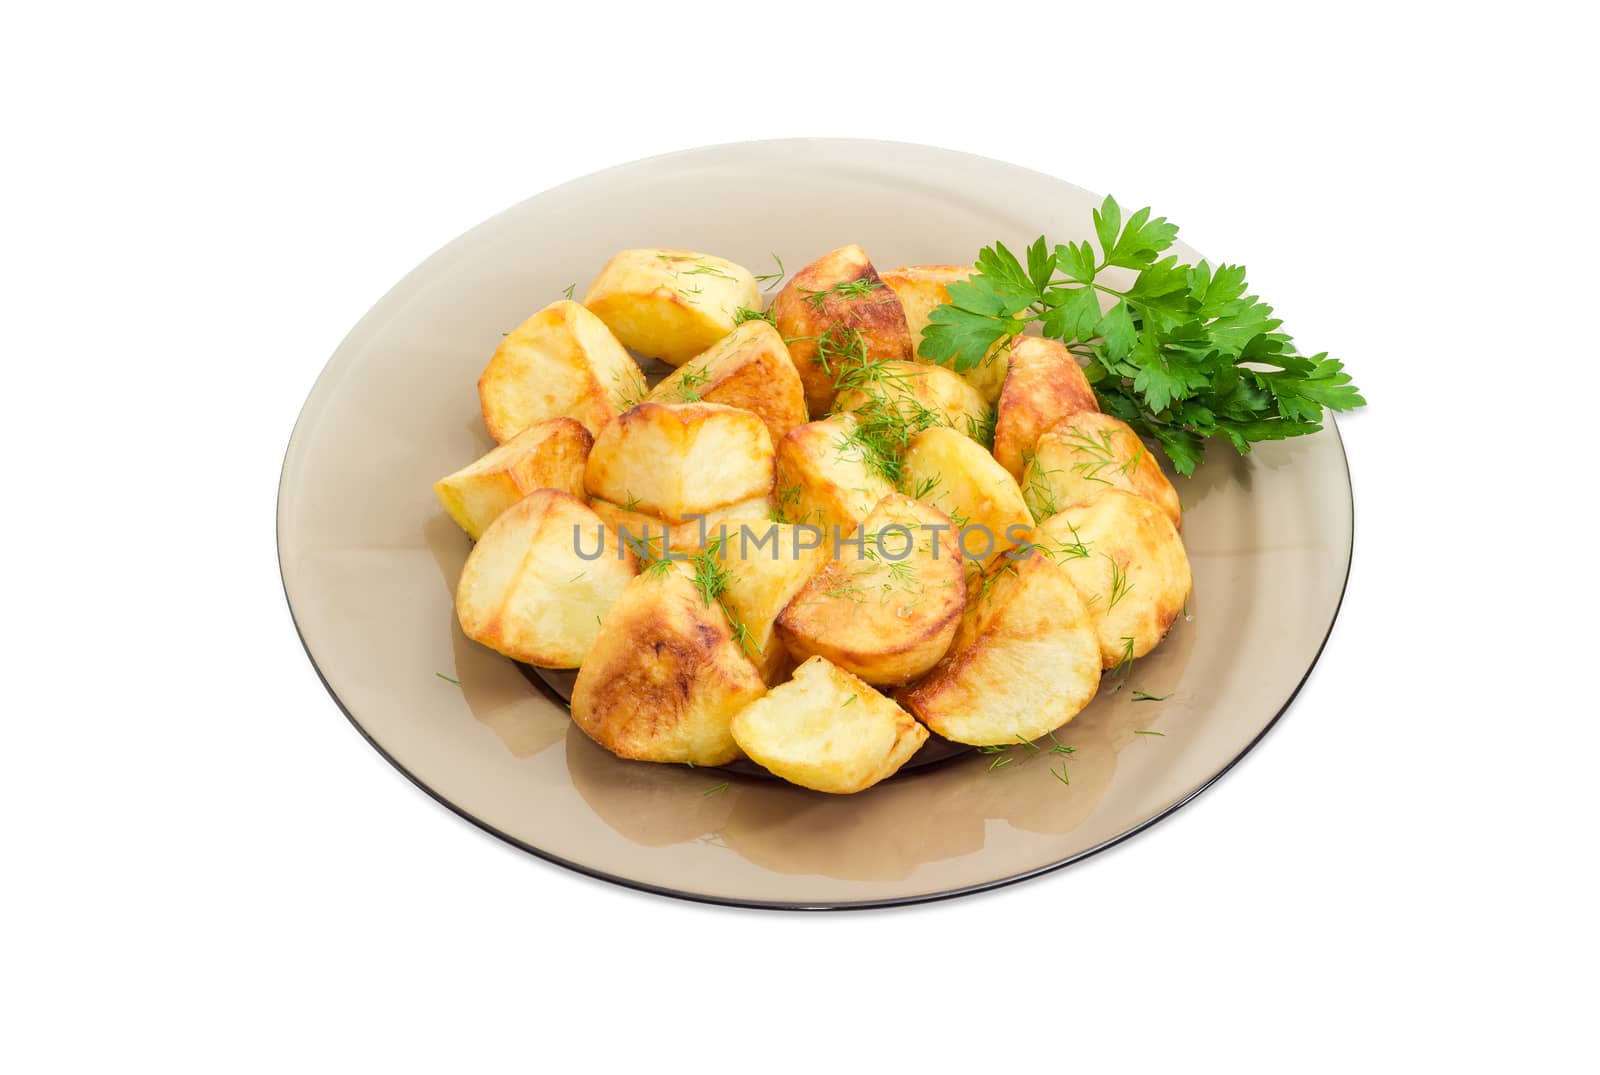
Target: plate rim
727,901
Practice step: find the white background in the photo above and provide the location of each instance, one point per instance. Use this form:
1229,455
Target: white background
208,870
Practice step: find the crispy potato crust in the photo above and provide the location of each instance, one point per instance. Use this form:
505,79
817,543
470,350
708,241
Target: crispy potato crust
749,368
561,362
823,478
1084,455
1128,563
837,298
1025,661
1043,385
883,609
828,731
670,304
665,676
546,455
677,459
527,589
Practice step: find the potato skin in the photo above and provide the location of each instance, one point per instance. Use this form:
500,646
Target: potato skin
546,455
883,619
912,390
665,676
561,362
670,304
1043,385
1136,535
526,591
827,730
956,475
750,368
677,459
823,479
841,297
1025,661
1083,455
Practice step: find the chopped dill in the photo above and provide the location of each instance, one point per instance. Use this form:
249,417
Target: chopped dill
716,789
847,289
448,679
1146,731
770,280
1143,696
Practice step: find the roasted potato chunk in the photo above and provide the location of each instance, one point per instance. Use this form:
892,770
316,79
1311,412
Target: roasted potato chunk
828,731
665,676
836,313
560,363
922,288
546,455
1025,661
677,459
766,563
825,477
749,368
540,578
670,304
888,604
652,536
948,471
1043,385
1128,563
1084,455
918,394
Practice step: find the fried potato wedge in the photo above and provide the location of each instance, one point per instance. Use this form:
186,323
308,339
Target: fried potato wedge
1082,456
651,536
766,563
918,393
958,476
540,578
1128,563
1025,661
888,604
560,363
670,304
749,368
665,675
827,730
677,459
546,455
922,288
824,478
837,312
1043,385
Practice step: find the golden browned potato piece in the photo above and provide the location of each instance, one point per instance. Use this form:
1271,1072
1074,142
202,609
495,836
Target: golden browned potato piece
540,578
944,469
546,455
888,604
835,313
561,362
828,731
1128,563
1043,385
665,675
670,304
920,289
825,477
650,536
767,563
677,459
1025,661
748,368
919,394
1084,455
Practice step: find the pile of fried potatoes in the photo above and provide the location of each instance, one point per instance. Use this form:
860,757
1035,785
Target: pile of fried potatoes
677,544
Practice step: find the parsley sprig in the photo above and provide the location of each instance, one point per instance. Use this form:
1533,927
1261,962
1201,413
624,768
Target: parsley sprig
1183,354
